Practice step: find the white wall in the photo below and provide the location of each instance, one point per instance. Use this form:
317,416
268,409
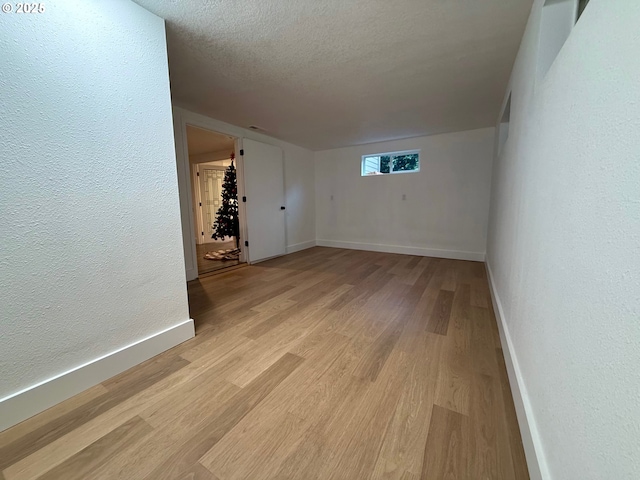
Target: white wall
225,162
556,23
87,174
446,207
298,181
209,157
564,245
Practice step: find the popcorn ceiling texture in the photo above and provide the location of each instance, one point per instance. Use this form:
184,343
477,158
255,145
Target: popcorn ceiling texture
90,248
564,242
335,73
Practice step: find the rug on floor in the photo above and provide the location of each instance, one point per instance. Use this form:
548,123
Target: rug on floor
231,254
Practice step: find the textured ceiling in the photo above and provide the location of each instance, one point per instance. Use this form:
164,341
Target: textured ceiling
203,141
332,73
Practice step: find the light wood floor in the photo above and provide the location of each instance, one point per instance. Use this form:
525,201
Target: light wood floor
207,266
324,364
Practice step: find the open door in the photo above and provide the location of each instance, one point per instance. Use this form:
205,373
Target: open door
264,186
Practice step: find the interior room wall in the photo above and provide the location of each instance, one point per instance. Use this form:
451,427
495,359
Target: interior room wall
445,205
299,183
87,174
564,246
214,163
210,157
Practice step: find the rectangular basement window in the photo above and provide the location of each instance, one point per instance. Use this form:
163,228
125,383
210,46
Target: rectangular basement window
407,161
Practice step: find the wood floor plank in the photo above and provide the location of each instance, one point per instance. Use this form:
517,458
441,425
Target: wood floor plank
204,392
371,317
363,437
197,472
449,277
416,321
348,298
371,364
64,447
215,348
273,346
137,379
445,454
304,283
412,276
439,320
480,292
271,432
311,452
454,380
138,458
122,387
236,408
483,357
323,364
404,442
174,421
482,455
271,322
50,415
387,470
325,376
409,476
80,465
459,332
308,303
247,302
228,458
317,336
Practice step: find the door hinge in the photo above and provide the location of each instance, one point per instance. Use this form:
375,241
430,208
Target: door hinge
244,199
241,151
197,174
246,243
203,234
200,204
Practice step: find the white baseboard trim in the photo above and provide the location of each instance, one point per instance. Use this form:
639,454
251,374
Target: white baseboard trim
528,430
24,404
300,246
420,251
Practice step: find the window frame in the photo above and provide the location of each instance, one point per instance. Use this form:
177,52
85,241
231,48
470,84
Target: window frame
390,154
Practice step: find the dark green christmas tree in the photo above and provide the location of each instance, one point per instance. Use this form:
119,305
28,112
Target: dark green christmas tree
226,224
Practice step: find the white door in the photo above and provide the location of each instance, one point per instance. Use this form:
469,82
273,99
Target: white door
211,179
264,189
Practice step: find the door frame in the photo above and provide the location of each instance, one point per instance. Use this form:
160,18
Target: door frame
182,118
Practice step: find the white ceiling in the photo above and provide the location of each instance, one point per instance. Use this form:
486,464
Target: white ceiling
332,73
201,141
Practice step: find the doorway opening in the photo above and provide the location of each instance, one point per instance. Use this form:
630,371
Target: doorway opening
214,193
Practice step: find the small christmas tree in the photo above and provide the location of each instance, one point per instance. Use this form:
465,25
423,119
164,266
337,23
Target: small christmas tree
226,224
